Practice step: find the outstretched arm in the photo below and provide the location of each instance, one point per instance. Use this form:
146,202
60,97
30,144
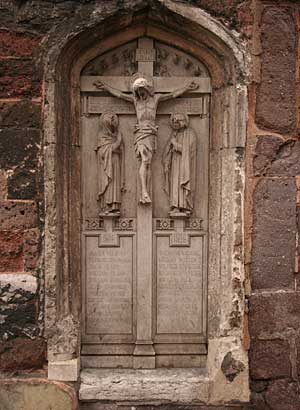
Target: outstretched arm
189,87
113,91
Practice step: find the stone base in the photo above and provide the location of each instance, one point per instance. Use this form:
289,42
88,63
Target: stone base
144,386
65,370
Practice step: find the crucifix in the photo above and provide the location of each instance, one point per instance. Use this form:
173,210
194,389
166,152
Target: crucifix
145,101
145,95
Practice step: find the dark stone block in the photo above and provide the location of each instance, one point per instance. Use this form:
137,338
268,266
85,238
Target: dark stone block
17,215
266,150
19,147
22,184
274,233
283,395
269,359
276,157
272,313
276,96
21,114
21,353
18,309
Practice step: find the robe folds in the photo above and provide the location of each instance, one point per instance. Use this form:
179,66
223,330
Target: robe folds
111,175
180,169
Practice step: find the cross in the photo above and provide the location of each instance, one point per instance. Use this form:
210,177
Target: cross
144,354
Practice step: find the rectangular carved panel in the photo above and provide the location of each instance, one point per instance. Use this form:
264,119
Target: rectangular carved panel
109,287
179,284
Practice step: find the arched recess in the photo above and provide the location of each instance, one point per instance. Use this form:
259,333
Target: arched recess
192,30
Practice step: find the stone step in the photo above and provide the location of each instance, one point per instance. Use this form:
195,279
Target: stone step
155,386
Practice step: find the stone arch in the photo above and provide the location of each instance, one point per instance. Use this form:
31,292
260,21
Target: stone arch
223,55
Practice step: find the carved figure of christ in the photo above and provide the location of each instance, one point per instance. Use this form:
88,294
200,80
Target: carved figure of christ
145,101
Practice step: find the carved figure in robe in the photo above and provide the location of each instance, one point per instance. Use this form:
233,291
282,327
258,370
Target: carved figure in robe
110,159
179,163
145,101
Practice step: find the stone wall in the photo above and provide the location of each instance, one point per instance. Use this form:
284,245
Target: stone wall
272,198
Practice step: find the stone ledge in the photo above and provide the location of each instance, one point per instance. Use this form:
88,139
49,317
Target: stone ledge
162,385
64,370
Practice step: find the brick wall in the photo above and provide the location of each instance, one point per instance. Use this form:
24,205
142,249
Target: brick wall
272,211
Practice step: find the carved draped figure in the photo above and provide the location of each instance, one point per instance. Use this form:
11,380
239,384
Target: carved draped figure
111,175
180,169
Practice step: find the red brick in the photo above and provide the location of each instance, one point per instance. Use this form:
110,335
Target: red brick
17,44
11,252
20,114
21,353
269,359
274,312
19,86
18,215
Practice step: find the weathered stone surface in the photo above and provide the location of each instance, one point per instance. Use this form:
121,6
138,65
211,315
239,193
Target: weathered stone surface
32,248
23,113
274,312
22,184
231,367
117,406
258,401
274,231
270,359
14,44
283,394
18,306
3,185
22,353
298,355
36,394
276,96
276,157
15,215
11,252
19,147
172,385
19,78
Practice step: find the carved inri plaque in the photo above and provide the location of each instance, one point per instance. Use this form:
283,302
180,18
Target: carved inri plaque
145,142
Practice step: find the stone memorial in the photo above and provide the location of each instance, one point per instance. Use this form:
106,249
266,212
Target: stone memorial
145,147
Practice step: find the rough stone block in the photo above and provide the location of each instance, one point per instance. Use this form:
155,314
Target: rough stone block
65,370
276,157
276,96
3,185
22,184
22,353
274,234
17,215
32,245
283,395
17,44
19,78
18,306
274,312
20,114
36,394
269,359
11,252
19,147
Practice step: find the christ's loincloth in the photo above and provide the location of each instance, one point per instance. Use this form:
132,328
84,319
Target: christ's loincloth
145,141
